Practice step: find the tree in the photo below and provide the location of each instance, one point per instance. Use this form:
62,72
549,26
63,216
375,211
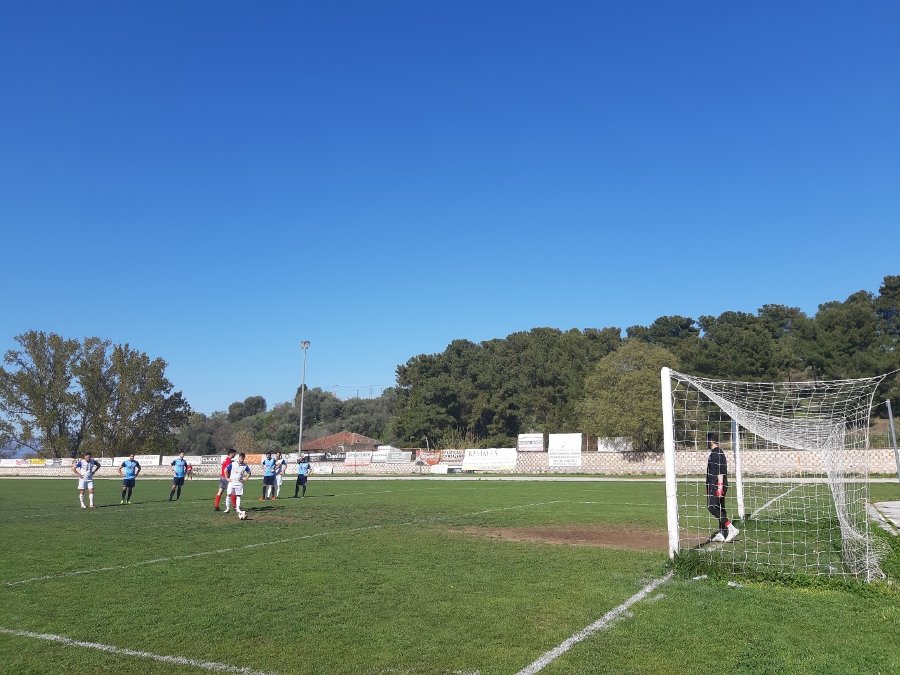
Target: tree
131,403
39,406
622,395
252,405
62,396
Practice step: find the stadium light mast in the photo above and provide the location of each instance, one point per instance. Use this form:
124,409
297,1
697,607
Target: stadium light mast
304,345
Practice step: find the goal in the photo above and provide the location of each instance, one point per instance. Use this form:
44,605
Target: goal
797,475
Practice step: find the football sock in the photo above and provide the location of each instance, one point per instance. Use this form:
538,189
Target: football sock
178,496
91,498
81,499
237,503
218,500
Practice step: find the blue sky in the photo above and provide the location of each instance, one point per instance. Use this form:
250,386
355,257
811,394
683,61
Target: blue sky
212,182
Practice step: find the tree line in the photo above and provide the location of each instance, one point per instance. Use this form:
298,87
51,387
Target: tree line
60,396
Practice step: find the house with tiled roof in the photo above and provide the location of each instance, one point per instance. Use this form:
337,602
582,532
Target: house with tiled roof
342,442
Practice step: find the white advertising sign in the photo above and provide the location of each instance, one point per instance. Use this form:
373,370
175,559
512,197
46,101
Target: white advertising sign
380,456
9,463
439,468
399,456
564,450
489,459
614,444
144,460
358,458
531,443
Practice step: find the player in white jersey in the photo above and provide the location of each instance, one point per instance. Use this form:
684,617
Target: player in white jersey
237,472
280,468
85,469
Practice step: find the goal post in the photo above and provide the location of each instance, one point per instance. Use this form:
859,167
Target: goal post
795,459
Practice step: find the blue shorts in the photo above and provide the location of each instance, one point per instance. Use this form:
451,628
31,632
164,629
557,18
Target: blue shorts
178,481
128,482
223,483
269,480
301,480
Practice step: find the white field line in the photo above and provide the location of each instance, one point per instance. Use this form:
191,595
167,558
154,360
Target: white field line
164,658
599,625
231,549
772,501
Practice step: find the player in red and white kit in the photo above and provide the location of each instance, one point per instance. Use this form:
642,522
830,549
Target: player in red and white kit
223,476
238,471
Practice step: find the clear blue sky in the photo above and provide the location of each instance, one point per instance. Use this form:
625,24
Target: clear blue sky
213,181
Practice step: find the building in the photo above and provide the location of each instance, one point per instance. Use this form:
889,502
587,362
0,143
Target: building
345,441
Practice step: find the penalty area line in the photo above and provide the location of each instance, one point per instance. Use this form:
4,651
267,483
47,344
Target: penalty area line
110,649
599,625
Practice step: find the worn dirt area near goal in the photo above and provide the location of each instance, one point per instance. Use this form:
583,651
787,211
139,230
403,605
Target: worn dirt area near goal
607,536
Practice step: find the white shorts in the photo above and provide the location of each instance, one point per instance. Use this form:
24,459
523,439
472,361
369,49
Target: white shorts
85,484
236,489
278,480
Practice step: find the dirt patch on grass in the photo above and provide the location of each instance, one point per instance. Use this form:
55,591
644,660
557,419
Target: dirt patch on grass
606,536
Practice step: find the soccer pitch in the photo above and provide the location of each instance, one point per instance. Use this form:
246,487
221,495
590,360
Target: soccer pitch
401,576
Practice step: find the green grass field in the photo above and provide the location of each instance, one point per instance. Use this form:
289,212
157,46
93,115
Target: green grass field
398,577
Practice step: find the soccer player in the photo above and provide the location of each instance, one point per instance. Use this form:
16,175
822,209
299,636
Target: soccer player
85,468
716,487
303,470
179,471
280,469
223,476
237,472
268,487
129,471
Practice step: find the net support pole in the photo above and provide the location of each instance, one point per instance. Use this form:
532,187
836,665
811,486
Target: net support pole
738,471
669,450
893,437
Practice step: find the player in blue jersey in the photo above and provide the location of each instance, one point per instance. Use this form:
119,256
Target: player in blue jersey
85,468
237,473
179,471
129,471
280,469
304,468
268,487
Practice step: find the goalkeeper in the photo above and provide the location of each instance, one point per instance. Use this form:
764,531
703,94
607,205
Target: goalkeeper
716,487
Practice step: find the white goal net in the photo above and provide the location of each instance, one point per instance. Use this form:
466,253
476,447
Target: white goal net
769,477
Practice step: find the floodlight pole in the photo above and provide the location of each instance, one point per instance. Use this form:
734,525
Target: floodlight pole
304,345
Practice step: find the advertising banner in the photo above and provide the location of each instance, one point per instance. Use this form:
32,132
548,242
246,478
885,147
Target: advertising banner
143,460
105,461
530,443
614,444
380,456
430,457
211,459
564,450
453,457
193,460
489,459
399,457
358,458
8,463
439,468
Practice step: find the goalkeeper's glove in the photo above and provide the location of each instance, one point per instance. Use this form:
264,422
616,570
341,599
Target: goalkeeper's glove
720,491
